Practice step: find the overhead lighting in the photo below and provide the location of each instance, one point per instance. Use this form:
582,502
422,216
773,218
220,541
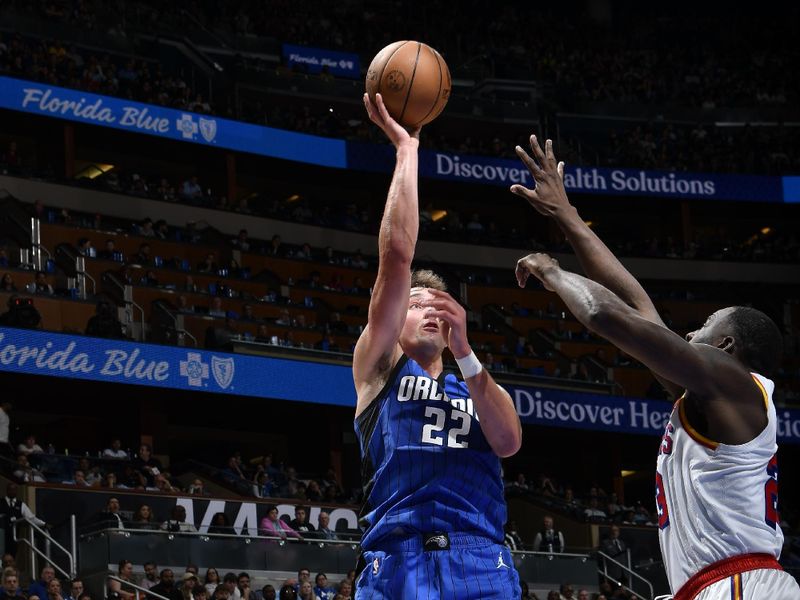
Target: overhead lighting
628,473
293,198
93,171
766,230
589,223
438,215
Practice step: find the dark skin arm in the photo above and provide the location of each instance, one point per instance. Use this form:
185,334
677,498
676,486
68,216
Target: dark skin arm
717,382
597,261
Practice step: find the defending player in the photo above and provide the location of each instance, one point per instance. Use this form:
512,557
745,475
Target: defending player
434,508
717,475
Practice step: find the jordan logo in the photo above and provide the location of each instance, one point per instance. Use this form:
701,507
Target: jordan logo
500,562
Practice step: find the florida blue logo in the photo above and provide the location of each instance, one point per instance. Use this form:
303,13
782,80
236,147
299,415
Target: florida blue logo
223,370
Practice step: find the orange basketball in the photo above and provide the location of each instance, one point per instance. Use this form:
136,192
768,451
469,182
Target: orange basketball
413,80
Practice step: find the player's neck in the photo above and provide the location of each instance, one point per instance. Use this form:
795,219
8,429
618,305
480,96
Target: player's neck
433,365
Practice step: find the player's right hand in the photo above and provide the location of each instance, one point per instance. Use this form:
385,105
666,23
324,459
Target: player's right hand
396,133
549,196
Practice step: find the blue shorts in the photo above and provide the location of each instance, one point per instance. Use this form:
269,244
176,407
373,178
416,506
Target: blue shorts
470,568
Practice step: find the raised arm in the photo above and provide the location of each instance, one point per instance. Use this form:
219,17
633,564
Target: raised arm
716,379
597,261
377,349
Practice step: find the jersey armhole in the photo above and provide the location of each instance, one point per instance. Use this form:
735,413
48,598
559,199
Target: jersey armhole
366,421
763,391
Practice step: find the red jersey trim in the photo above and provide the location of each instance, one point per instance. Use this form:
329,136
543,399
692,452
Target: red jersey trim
723,569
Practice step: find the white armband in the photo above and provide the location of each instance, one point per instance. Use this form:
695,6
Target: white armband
469,365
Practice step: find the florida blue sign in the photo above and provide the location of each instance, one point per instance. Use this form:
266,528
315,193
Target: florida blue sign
315,60
61,355
52,101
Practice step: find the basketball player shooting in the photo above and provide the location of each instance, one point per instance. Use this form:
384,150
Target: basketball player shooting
717,474
434,508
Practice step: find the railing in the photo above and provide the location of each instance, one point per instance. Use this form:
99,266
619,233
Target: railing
137,587
604,572
49,543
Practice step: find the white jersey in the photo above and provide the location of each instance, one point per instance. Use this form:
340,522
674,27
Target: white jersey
716,501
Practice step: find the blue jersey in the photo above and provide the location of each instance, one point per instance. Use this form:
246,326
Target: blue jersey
426,465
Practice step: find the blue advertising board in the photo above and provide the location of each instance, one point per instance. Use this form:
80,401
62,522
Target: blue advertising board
36,352
52,101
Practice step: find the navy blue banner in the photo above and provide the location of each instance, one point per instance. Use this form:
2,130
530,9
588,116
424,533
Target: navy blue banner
583,180
60,355
52,101
314,60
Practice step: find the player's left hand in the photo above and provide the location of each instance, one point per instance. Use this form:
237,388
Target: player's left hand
443,306
540,265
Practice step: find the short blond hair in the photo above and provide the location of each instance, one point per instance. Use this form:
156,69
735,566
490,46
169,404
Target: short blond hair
425,278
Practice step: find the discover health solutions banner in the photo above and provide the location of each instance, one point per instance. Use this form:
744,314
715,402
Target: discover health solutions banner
60,355
93,109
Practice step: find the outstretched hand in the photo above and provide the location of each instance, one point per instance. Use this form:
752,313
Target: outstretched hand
540,265
396,133
549,196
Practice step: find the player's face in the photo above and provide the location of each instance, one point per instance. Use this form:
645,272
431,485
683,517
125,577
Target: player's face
713,331
421,330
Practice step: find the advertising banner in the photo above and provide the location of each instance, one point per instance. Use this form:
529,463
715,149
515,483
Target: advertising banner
314,60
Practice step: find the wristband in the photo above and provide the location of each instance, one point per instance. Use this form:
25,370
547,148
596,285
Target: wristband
469,365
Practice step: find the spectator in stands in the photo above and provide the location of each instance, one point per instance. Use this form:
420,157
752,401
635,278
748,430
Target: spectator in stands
199,593
75,590
7,284
241,241
78,479
21,313
215,308
12,508
29,446
323,527
147,464
54,589
166,586
150,578
593,511
5,427
232,471
39,588
191,190
229,583
197,488
144,256
313,493
116,589
583,595
144,518
208,265
526,593
322,591
512,538
105,324
115,450
566,592
272,526
243,590
263,486
548,539
146,228
220,524
615,547
177,521
211,580
188,584
300,522
268,593
276,247
26,473
165,190
345,589
287,592
305,591
109,517
109,251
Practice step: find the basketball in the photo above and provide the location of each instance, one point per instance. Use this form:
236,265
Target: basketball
413,80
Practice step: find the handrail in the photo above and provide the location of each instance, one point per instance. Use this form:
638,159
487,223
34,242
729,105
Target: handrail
206,536
604,572
51,540
92,279
137,587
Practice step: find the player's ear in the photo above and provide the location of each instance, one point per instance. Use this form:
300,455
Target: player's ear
728,344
